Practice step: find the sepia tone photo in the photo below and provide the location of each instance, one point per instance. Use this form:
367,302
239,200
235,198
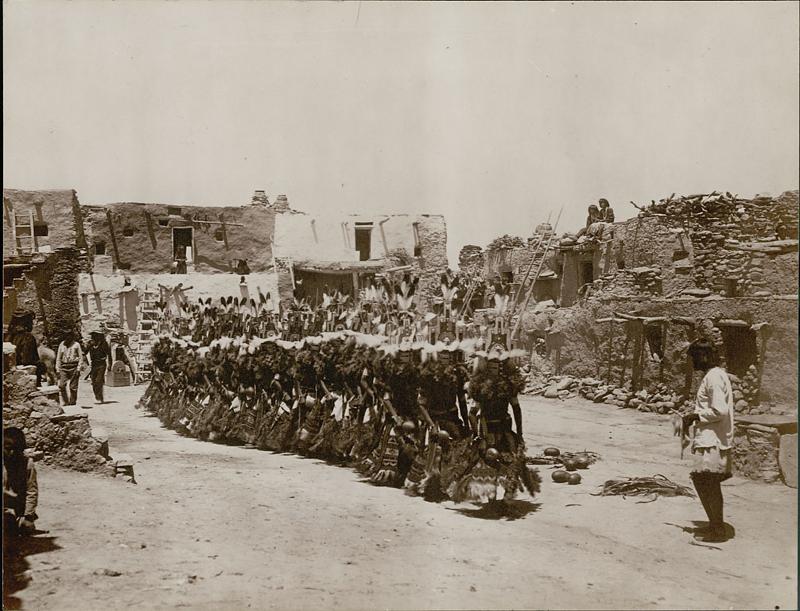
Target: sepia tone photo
400,305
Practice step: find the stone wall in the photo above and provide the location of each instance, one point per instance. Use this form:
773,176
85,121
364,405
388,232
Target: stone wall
139,237
585,345
50,289
727,241
52,436
59,211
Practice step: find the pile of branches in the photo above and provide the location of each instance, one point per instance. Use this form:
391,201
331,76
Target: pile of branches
728,211
658,485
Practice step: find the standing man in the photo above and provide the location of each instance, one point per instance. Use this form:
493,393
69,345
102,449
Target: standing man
99,355
606,211
68,364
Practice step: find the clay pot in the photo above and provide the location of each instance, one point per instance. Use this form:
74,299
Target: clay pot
552,452
570,465
574,479
560,476
492,454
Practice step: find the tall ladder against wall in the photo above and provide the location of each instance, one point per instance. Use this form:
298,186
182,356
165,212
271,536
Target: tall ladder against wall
24,235
146,330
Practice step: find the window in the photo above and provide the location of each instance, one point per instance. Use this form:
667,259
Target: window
100,247
128,231
40,228
163,222
219,235
363,241
174,210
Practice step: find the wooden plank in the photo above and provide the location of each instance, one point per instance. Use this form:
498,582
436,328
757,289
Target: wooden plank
113,237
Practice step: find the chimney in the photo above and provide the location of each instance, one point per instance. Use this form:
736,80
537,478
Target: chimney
281,204
260,198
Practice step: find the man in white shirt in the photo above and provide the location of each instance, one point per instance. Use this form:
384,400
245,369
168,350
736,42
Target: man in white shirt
68,368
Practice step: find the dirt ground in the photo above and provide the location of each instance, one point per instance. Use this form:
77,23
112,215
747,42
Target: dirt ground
210,526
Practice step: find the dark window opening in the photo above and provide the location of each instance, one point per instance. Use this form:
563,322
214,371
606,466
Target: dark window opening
163,222
363,242
219,235
181,240
678,255
417,250
127,232
40,228
174,210
100,248
740,349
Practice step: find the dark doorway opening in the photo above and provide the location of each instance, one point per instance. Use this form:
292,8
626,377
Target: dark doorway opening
99,247
740,349
586,271
363,242
181,240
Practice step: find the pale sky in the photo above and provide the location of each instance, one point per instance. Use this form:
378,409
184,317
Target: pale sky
491,114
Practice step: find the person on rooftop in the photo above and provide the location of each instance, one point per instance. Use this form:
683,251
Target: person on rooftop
606,211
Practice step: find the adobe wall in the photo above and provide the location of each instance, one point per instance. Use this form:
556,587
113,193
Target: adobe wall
59,209
301,237
150,250
199,285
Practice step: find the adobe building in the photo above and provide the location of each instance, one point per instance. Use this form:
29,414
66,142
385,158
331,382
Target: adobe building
204,250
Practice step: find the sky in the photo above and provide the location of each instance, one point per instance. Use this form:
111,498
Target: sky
495,115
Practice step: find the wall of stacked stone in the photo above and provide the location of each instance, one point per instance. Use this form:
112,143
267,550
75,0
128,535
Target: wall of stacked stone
718,225
585,349
143,236
52,436
50,290
432,262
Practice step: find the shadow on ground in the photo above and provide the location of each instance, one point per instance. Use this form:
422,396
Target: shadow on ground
500,510
16,550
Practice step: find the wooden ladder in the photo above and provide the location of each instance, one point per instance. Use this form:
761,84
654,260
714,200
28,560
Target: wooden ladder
25,240
146,330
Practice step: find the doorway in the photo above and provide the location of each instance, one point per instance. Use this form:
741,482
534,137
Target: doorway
740,348
363,241
586,271
182,242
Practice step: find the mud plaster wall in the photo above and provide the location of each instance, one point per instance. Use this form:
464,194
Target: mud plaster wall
203,286
585,348
150,248
59,209
50,290
296,239
321,238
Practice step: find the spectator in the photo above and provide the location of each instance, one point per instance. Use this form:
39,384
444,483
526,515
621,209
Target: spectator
68,364
99,355
606,211
20,488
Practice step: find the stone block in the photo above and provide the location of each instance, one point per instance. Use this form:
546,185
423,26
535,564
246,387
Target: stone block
787,459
